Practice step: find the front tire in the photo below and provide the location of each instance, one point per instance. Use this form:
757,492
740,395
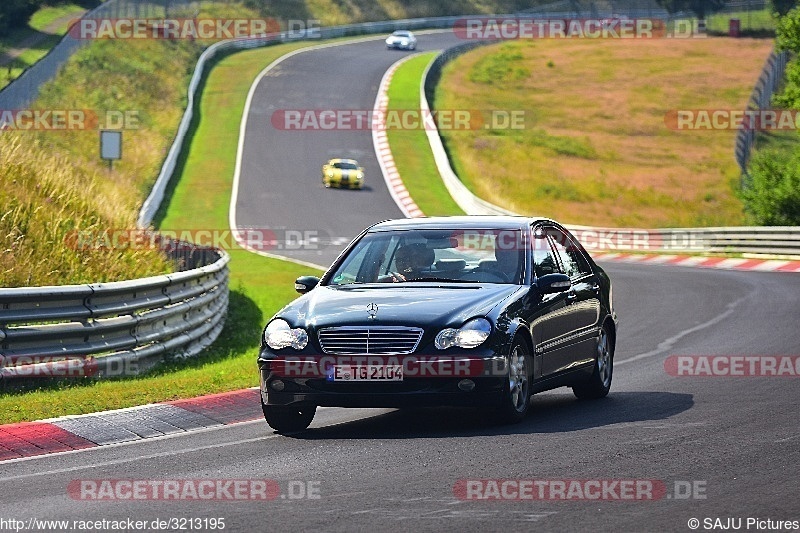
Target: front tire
600,382
517,391
288,418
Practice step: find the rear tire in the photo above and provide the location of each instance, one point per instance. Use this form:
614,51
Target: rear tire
600,382
517,391
288,418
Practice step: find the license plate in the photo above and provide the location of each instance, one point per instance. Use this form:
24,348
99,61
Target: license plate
368,373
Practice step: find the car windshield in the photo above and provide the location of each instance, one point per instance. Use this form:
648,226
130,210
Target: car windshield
440,255
401,34
345,166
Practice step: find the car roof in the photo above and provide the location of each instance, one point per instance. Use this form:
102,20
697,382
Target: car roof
467,222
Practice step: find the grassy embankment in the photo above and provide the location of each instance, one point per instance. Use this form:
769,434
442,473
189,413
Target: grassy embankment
596,148
259,286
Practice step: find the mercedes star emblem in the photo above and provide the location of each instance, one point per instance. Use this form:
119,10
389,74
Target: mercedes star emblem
372,310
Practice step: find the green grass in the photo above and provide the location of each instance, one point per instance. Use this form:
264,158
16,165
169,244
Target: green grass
597,147
410,149
48,14
749,22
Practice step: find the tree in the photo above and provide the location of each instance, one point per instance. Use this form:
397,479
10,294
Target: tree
701,8
15,13
772,196
787,31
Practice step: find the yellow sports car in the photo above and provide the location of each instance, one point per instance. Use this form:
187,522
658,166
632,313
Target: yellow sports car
344,173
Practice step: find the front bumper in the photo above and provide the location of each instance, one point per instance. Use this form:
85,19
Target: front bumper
339,183
421,389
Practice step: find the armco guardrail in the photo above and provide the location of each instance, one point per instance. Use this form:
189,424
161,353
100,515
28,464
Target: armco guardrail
117,328
769,240
772,240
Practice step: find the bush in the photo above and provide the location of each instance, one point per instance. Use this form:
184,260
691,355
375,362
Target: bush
772,196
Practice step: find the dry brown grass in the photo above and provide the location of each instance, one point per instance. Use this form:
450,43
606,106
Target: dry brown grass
595,148
44,201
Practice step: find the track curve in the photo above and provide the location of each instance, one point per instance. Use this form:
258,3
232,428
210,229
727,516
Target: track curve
279,183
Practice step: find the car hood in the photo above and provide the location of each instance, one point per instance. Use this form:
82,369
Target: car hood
345,172
420,304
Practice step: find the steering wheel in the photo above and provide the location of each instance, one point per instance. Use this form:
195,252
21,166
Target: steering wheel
391,277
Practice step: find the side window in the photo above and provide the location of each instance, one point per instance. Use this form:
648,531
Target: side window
543,260
575,252
567,252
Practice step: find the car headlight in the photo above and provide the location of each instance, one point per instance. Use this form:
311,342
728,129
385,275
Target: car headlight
470,335
278,334
330,174
360,175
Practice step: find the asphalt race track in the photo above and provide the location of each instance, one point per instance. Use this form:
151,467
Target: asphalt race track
720,447
281,183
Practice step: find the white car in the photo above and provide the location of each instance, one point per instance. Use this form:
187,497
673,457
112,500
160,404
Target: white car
401,39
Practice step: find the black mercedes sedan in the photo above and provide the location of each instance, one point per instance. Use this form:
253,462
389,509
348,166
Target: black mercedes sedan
475,311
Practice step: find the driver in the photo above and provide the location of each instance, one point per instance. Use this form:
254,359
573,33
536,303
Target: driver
508,262
412,259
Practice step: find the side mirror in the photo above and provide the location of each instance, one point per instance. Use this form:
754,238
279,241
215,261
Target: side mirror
303,284
551,283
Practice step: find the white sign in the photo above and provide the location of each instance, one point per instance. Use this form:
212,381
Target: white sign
110,144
